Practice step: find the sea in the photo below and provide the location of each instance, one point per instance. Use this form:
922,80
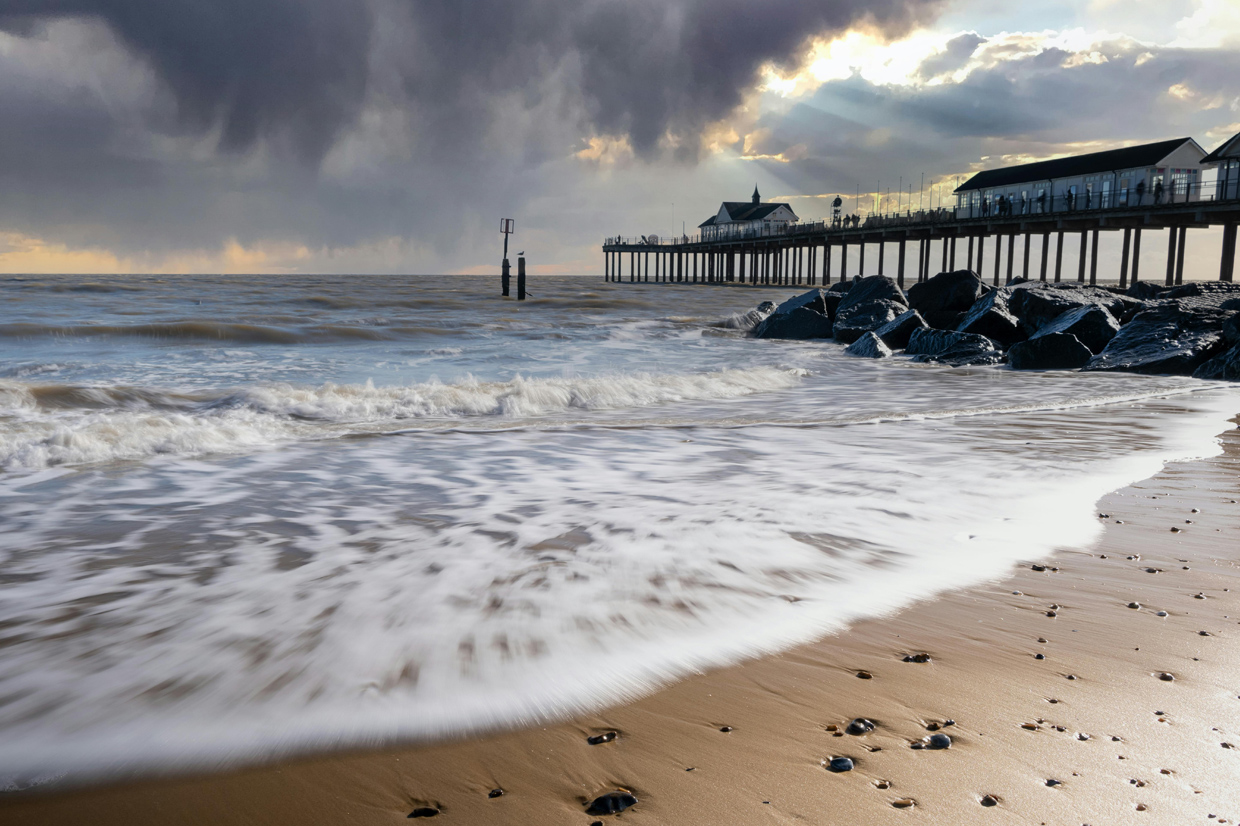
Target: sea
249,517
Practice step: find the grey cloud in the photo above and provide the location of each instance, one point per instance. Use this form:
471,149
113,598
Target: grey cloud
955,56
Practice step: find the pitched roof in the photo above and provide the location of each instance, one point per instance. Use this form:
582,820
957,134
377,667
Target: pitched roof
1230,148
747,211
1130,157
709,222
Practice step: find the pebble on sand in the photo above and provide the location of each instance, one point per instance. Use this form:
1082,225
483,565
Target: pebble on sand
840,764
939,741
424,811
917,658
598,739
865,675
725,729
990,800
904,803
611,803
860,726
495,793
1054,783
1166,677
1134,605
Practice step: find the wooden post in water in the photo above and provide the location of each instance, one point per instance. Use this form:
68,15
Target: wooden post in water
1179,255
506,226
520,278
826,264
1123,258
1170,280
1046,251
951,267
970,250
1059,257
844,261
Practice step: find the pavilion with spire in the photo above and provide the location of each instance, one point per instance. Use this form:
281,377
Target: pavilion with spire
750,217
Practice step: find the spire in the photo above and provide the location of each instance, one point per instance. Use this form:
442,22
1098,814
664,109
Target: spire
757,199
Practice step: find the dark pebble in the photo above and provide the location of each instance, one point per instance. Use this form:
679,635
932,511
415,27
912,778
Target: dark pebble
990,800
1204,633
1071,676
1041,639
1038,567
1053,783
1134,605
1165,677
840,764
496,793
917,658
1051,614
860,726
611,803
605,737
424,811
865,675
725,729
939,741
1039,656
1175,530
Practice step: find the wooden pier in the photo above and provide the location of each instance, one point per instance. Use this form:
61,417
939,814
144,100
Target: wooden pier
824,252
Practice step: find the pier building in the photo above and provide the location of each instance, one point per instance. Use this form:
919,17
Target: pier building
747,218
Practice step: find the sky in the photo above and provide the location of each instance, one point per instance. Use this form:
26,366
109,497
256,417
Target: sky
391,136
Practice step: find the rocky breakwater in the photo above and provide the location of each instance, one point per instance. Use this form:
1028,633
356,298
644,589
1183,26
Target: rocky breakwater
955,319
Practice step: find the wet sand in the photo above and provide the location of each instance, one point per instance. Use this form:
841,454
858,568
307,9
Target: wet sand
1092,732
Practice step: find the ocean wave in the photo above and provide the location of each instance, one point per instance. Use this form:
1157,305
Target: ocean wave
199,330
47,425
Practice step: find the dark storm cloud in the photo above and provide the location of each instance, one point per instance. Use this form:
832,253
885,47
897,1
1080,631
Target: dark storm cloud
954,56
263,67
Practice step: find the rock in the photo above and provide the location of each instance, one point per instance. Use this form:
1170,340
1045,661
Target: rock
801,323
1219,290
1144,290
1225,366
494,793
944,299
895,333
873,288
599,739
869,346
860,726
1231,329
1053,351
1168,339
1092,325
840,764
989,316
840,287
939,741
812,300
611,803
423,811
952,348
1037,303
856,320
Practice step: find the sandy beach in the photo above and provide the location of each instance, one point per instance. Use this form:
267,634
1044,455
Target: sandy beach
1096,686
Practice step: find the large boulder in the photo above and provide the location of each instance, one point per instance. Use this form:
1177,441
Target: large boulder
840,287
1221,290
1092,326
872,288
952,348
895,333
868,346
1052,351
944,299
1223,366
1144,290
989,316
812,300
801,323
1168,339
858,319
1038,302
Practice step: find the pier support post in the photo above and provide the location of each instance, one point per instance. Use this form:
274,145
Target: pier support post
813,264
952,257
1093,259
1025,270
1046,251
1179,255
1227,264
646,267
981,249
970,258
1136,255
826,264
1011,262
900,265
882,249
741,262
998,255
1123,258
943,267
1080,270
1059,256
861,259
844,261
632,267
1170,279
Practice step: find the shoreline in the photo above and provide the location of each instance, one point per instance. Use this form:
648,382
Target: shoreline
1100,679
